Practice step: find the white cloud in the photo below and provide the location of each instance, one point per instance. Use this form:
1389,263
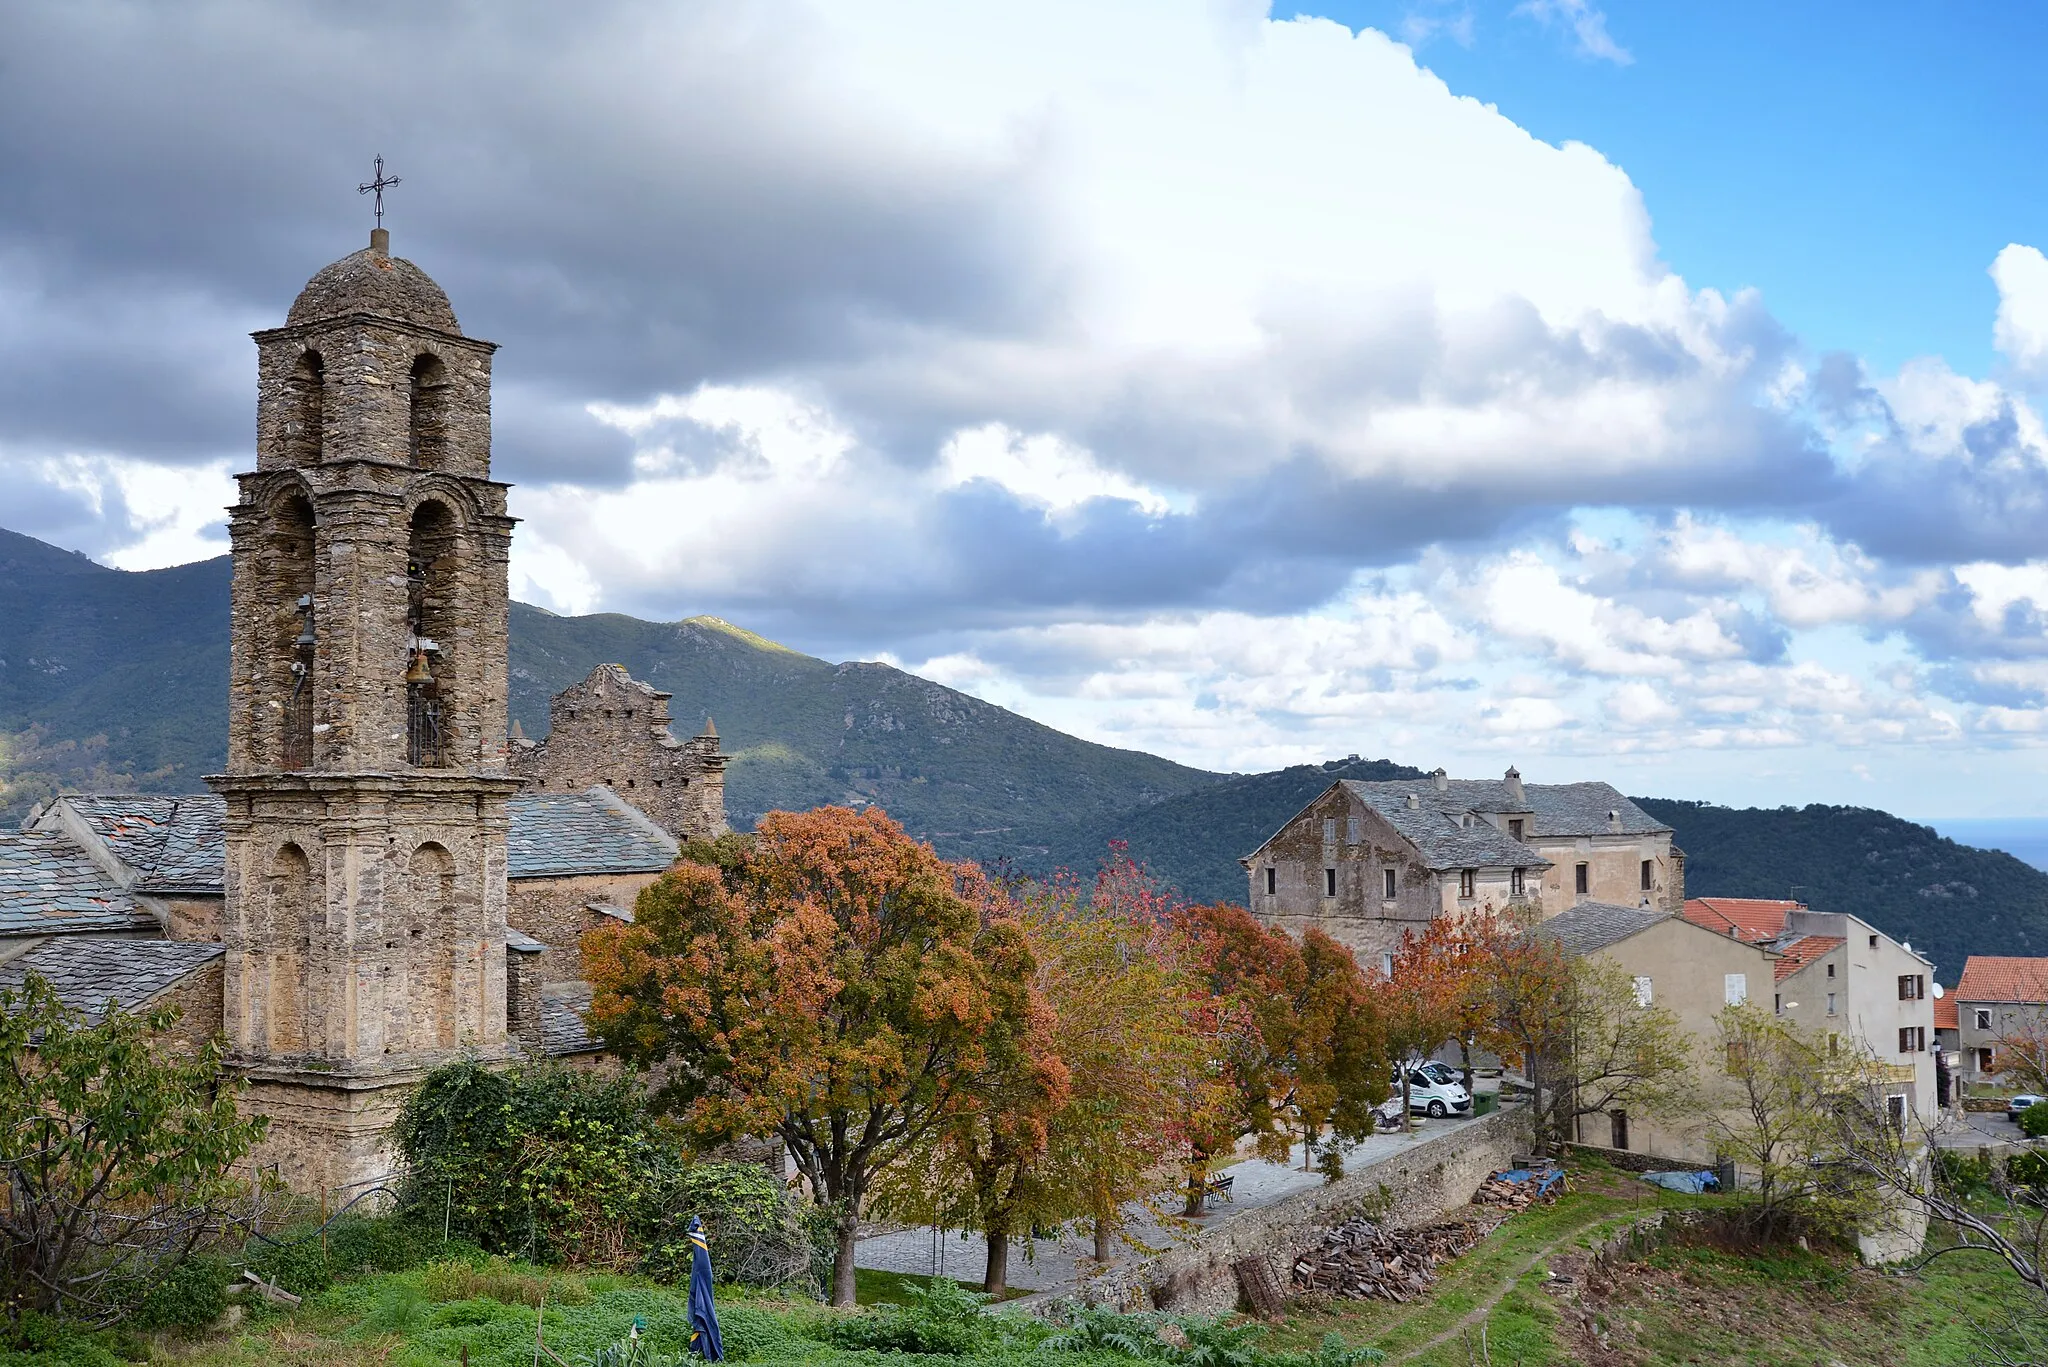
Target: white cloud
2021,329
1041,470
1588,27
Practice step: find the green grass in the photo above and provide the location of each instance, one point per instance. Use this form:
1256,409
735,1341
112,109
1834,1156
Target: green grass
871,1287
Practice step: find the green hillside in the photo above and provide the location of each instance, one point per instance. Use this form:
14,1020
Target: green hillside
1194,841
118,681
1949,900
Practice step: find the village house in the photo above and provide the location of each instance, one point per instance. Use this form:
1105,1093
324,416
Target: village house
1689,971
1368,862
2001,1006
1841,979
384,878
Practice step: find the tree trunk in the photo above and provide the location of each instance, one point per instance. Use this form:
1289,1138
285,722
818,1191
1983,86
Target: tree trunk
1308,1143
1407,1108
1198,1187
995,1277
1102,1232
1465,1053
842,1261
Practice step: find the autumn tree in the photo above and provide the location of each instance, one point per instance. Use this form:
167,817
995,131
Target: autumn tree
1586,1044
837,987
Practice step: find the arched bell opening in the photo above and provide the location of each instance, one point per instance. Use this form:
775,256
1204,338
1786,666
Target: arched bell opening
433,565
293,641
427,420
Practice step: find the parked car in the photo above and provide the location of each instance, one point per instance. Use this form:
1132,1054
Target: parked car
2020,1103
1434,1089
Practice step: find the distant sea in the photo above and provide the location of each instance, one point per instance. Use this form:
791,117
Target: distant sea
2025,838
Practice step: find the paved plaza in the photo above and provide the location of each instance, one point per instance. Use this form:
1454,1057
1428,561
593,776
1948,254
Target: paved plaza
1051,1264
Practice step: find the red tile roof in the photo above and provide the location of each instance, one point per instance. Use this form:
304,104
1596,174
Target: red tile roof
1997,978
1748,918
1945,1012
1803,951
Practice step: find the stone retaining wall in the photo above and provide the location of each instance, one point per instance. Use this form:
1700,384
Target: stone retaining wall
1413,1187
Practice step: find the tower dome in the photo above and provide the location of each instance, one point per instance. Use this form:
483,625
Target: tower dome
374,281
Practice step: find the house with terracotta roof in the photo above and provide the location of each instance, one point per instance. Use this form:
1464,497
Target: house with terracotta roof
1843,979
2001,1005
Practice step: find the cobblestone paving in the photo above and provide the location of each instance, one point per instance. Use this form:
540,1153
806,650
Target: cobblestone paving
1049,1264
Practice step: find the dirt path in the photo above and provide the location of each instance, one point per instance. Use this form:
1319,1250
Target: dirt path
1472,1318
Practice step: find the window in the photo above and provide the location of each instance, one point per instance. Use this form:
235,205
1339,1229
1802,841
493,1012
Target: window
1984,1061
1329,882
1468,883
1618,1127
1777,1003
1272,880
1517,883
1387,964
1388,876
427,435
1584,878
1831,970
1354,829
1649,874
1735,988
1645,990
1895,1110
1983,1018
1329,830
1831,1003
1912,986
1515,827
1912,1039
1873,942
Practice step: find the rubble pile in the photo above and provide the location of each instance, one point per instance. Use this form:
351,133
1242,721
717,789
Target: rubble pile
1358,1260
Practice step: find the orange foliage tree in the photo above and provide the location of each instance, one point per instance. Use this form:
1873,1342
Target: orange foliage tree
839,987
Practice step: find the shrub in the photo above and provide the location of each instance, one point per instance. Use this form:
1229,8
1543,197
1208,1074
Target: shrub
34,1340
942,1318
758,1236
1965,1176
188,1297
2033,1121
2027,1169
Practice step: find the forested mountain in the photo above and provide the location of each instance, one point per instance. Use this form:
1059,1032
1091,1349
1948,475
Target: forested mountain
115,681
1949,900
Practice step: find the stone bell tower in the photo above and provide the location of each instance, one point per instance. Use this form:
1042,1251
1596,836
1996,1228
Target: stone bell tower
366,786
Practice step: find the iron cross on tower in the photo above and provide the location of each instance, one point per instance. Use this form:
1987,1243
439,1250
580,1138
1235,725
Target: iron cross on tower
378,185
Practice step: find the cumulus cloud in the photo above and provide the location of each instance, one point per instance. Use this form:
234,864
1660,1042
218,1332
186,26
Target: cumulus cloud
2020,330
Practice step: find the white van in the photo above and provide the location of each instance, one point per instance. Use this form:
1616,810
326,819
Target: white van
1434,1090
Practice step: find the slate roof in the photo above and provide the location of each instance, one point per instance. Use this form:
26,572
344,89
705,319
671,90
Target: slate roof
176,844
2002,978
1801,951
1592,926
48,885
594,831
89,973
1748,918
520,942
1434,827
1554,809
563,1029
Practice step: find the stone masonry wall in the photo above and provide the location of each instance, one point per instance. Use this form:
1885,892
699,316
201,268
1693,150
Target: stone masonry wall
1413,1187
197,998
614,730
555,911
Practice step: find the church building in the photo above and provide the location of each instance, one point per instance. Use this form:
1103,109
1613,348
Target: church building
382,880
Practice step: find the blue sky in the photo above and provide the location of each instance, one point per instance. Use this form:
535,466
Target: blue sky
1614,392
1860,163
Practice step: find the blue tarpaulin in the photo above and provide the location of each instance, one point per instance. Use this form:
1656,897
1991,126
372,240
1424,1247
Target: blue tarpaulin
704,1340
1691,1182
1543,1181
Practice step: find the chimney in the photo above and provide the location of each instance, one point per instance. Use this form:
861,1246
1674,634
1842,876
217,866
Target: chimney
1613,819
1443,781
1413,802
1515,794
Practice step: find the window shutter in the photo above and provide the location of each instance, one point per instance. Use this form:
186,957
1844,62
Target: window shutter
1735,988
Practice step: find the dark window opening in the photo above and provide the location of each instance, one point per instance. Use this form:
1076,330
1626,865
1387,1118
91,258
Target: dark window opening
1517,883
1272,881
293,544
305,416
427,434
1618,1125
1983,1020
1515,827
1584,878
430,584
1912,1038
1468,883
1329,882
1388,878
1912,987
1649,874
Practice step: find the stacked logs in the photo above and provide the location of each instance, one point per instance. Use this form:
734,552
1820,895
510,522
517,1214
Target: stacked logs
1512,1196
1358,1260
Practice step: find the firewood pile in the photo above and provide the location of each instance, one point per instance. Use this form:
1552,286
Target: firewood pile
1518,1190
1358,1260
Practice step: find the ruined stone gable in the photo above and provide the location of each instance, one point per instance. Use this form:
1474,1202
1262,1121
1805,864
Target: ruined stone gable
613,730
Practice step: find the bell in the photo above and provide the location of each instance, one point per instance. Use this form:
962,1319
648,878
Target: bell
419,673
